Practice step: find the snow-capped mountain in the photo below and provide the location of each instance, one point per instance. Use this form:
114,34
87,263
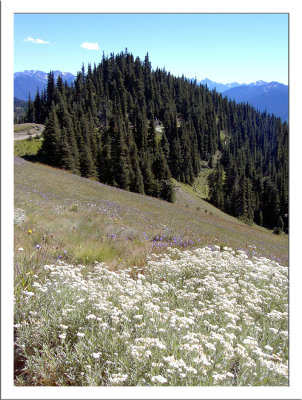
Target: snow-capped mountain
271,97
29,81
220,87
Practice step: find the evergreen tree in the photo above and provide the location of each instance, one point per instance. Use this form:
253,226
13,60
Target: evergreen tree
216,182
38,109
50,151
105,166
137,181
104,125
50,91
73,148
88,168
149,180
30,111
67,160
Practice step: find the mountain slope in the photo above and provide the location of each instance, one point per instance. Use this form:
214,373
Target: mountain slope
28,81
19,109
104,128
85,221
271,97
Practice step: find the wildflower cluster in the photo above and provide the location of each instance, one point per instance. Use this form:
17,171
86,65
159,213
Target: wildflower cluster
159,241
19,216
202,317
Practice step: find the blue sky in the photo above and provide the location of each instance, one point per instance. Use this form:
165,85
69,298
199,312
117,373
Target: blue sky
222,47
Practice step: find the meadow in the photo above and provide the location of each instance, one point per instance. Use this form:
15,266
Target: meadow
116,288
200,318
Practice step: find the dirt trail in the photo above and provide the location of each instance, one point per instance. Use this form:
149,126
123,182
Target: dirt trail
27,131
20,136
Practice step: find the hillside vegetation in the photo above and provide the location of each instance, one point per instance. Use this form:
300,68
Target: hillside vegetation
128,271
104,127
85,221
168,314
19,110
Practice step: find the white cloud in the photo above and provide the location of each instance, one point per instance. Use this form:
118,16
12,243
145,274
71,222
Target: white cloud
36,41
90,46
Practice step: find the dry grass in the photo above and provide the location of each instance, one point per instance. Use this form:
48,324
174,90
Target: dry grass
79,221
60,216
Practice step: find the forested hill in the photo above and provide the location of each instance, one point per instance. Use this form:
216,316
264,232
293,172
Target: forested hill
133,127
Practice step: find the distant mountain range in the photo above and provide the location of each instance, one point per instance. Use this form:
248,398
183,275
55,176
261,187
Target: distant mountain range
220,87
29,81
270,97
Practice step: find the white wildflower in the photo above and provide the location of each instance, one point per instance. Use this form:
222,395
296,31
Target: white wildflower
29,294
117,379
210,346
91,316
62,336
159,379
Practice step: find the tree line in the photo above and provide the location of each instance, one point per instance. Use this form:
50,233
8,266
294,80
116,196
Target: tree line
127,125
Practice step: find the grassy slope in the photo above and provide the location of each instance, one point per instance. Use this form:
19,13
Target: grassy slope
24,131
81,221
29,128
27,147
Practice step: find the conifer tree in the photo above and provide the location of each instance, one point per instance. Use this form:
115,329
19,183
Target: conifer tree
106,121
50,91
75,165
38,108
105,166
137,181
120,157
30,111
50,151
67,159
88,168
215,180
151,140
149,180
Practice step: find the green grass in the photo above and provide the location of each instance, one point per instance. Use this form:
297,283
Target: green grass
200,186
63,217
187,320
27,147
79,220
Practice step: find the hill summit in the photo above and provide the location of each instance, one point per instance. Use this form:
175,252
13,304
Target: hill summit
135,128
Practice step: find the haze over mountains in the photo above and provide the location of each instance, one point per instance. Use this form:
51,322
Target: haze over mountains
271,97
